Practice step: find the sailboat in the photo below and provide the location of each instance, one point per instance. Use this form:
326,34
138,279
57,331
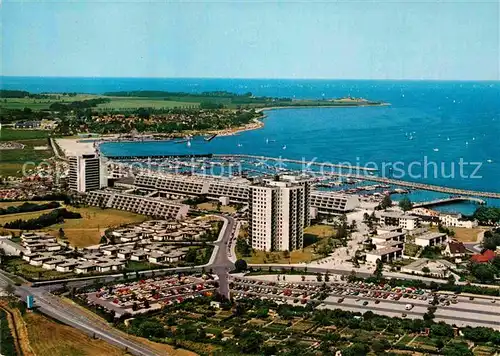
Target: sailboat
188,143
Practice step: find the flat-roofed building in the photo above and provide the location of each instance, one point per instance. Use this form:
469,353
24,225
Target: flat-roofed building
391,239
333,203
405,221
386,254
138,204
430,239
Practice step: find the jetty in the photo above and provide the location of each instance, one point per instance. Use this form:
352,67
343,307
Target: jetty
456,199
211,137
156,157
368,173
287,160
422,186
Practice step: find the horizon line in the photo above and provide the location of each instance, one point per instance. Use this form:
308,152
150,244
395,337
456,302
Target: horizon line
252,78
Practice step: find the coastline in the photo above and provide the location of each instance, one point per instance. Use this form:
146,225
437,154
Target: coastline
258,122
77,146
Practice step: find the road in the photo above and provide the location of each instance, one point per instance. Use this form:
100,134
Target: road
221,264
71,315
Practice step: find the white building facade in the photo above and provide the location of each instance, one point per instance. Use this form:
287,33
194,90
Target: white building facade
279,212
86,173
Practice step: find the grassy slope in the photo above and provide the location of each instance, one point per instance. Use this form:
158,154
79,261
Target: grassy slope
10,134
87,230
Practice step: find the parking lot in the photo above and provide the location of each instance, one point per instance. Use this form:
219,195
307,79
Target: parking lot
149,294
381,299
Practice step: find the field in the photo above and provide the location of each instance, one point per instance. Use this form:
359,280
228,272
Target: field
116,102
213,207
49,338
134,103
87,230
320,231
466,235
314,236
41,104
10,134
12,161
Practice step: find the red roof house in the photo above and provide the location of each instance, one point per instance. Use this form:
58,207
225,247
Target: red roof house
485,257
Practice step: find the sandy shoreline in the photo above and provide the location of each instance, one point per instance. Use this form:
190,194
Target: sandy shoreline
75,146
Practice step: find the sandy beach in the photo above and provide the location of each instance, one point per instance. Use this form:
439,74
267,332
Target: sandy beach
75,147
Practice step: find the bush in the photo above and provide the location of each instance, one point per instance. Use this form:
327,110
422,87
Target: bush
241,265
28,207
56,216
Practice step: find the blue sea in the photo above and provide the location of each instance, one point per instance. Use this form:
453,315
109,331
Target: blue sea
427,124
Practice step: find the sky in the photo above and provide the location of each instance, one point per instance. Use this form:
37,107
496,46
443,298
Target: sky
453,40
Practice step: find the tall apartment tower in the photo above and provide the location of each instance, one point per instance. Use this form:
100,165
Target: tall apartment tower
86,173
279,212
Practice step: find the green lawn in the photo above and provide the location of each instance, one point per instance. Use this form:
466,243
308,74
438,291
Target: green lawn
24,269
41,104
134,103
12,161
10,134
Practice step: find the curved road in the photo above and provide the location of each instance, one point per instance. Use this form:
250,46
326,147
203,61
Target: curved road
75,317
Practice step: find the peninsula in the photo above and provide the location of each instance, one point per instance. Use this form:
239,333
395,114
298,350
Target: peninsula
159,113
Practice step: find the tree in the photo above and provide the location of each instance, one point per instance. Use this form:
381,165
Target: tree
356,349
456,349
405,204
386,202
379,346
2,257
484,272
487,215
241,265
243,247
379,269
430,313
426,269
61,233
451,279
